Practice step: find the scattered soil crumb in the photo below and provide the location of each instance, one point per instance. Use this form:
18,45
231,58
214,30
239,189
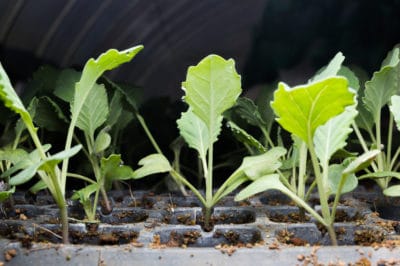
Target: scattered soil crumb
10,254
274,245
1,263
363,261
156,243
225,248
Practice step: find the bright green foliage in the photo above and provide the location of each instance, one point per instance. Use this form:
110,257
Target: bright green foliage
334,180
246,138
212,87
332,136
152,164
331,69
300,110
395,109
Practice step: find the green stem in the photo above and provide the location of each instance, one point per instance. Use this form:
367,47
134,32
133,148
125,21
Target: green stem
379,141
302,170
81,177
394,159
389,142
267,137
178,176
363,143
148,133
64,220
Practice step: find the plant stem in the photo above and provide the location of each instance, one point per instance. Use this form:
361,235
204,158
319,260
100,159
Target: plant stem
363,144
148,133
64,220
267,137
178,176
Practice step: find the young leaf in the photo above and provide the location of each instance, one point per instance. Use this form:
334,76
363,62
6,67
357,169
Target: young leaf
256,166
331,69
112,169
65,85
11,99
212,87
195,132
392,191
102,141
12,155
270,181
301,110
247,110
94,110
152,164
332,136
49,115
115,108
93,69
382,86
335,174
245,137
5,194
395,109
361,162
351,77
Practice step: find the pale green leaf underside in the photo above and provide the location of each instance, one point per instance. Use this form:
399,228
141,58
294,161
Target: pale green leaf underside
382,86
244,137
392,191
194,131
395,109
94,110
361,162
331,69
260,165
263,183
152,164
332,136
300,110
212,87
335,174
94,68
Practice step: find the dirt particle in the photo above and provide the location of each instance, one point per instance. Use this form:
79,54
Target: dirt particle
10,254
363,262
300,257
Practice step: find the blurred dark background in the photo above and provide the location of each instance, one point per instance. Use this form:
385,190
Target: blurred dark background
269,40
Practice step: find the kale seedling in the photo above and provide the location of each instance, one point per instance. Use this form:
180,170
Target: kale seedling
46,166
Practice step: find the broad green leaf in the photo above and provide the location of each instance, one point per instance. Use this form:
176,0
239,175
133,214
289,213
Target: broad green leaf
211,88
84,194
335,174
247,110
331,69
246,138
361,162
51,161
94,110
49,115
102,141
365,119
395,109
263,183
112,169
93,69
25,161
43,82
392,191
195,132
392,56
12,101
65,85
264,107
383,85
12,155
302,109
152,164
260,165
332,136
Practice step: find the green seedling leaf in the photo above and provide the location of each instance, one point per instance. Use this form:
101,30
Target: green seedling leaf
51,161
102,142
195,132
392,57
392,191
115,109
260,165
5,194
302,109
211,88
248,111
94,68
43,82
112,169
65,85
335,174
380,174
40,185
395,109
12,101
331,69
84,194
25,161
152,164
244,137
332,136
12,155
49,115
94,110
351,77
361,162
263,183
382,86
